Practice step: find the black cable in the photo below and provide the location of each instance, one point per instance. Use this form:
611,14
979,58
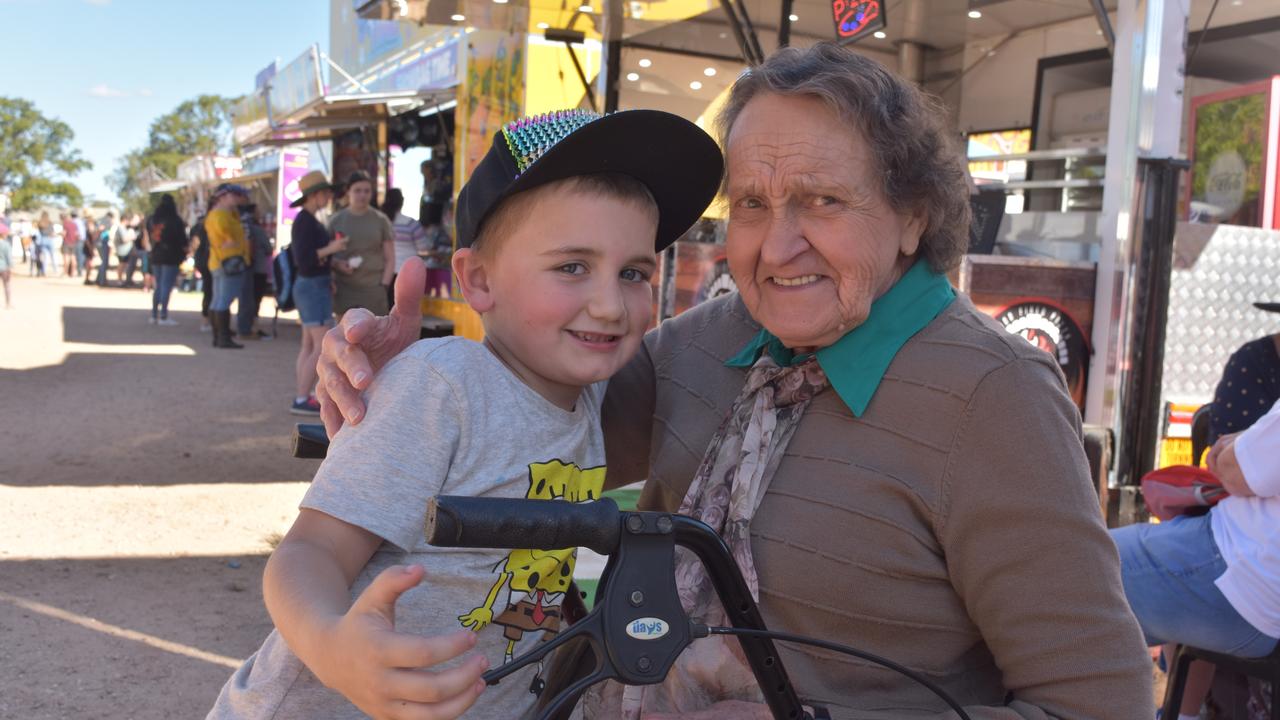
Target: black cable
1200,38
837,647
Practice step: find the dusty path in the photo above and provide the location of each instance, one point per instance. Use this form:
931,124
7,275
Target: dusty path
143,475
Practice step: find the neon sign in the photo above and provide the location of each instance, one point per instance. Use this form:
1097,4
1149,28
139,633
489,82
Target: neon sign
854,18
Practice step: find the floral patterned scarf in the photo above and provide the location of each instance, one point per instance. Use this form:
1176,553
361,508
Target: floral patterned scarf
726,491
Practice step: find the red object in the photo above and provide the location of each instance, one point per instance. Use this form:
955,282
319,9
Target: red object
1172,491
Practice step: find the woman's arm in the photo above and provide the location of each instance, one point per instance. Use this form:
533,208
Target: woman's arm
1029,556
627,417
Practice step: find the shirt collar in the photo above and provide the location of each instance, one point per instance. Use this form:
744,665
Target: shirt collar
856,363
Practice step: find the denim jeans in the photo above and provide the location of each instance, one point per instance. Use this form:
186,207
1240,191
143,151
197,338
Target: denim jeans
166,277
104,258
1168,572
225,289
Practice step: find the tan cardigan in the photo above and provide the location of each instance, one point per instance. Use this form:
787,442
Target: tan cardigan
952,528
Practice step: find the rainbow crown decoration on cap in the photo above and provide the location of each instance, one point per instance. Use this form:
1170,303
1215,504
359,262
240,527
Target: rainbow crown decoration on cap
528,138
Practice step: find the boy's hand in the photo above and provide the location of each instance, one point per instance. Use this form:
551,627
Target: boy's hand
387,674
361,344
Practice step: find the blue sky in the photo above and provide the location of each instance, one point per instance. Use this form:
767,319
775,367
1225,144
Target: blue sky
109,67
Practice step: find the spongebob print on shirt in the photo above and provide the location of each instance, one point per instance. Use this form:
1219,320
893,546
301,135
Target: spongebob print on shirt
536,580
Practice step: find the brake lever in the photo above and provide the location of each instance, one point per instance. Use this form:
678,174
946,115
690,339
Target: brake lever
637,628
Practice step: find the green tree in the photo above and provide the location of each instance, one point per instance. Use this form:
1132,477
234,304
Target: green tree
199,126
36,154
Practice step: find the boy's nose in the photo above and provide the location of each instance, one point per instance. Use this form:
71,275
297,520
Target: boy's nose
607,303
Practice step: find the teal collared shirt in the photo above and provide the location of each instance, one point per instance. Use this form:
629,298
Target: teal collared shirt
856,363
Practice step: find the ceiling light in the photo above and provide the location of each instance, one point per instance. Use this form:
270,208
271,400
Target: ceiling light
695,85
709,72
585,8
975,14
500,2
645,62
1237,3
794,18
633,76
879,34
458,18
543,26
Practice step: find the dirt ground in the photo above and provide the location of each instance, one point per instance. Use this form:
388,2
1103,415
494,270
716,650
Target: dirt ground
143,477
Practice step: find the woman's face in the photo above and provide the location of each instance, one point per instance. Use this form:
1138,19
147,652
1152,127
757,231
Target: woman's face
811,238
360,195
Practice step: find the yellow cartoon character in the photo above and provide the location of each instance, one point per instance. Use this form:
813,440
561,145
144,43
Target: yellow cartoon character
537,580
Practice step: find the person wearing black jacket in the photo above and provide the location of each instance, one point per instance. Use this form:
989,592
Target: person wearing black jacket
168,235
206,275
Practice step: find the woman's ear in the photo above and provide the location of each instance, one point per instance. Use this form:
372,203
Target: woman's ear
473,279
913,227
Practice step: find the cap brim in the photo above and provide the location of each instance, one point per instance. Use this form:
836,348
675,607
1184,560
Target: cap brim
1268,306
679,163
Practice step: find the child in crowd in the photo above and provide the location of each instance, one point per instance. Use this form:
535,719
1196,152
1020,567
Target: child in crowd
557,231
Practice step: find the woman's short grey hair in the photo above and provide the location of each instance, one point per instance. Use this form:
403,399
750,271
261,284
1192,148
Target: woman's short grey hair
904,128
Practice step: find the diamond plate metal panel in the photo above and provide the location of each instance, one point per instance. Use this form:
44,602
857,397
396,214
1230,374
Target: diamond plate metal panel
1219,272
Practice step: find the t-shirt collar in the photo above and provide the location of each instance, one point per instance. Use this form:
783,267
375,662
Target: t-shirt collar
856,363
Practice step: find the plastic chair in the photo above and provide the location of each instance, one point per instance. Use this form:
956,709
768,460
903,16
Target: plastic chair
1265,668
1200,423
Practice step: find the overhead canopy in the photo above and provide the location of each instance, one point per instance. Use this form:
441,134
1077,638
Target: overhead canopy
295,104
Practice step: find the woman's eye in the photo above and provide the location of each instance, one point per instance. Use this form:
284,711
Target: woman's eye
824,200
574,268
635,275
750,203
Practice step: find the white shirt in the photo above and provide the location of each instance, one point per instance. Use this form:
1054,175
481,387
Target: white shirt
1247,529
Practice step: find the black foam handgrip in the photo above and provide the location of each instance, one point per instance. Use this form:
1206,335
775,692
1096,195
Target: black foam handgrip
477,522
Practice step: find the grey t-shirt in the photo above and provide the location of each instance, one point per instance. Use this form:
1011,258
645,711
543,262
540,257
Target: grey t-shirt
445,417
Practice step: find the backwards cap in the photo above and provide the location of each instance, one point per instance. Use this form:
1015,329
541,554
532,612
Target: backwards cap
678,162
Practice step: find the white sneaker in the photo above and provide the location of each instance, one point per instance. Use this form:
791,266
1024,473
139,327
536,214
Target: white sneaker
151,321
167,322
205,327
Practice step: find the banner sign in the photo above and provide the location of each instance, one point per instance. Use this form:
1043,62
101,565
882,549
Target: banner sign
293,165
856,18
433,69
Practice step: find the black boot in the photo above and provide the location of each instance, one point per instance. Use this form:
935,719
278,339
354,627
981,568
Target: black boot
223,330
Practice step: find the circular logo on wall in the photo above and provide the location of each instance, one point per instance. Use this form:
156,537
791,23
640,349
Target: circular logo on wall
1054,331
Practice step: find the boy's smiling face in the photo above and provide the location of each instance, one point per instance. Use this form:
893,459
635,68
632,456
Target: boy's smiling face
564,291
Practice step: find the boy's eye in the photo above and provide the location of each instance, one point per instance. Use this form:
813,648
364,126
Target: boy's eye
635,275
573,268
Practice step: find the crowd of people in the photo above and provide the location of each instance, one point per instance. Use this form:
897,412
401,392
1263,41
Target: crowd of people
343,257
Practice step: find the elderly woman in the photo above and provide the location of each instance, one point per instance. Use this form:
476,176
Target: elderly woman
913,481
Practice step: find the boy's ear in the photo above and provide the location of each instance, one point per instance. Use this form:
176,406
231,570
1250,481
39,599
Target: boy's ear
473,279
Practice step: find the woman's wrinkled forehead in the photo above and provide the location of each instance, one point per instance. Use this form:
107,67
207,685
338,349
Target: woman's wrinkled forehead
791,135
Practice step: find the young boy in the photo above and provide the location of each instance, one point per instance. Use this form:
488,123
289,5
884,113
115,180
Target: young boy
557,231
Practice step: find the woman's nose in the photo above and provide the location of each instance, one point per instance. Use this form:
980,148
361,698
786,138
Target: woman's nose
783,239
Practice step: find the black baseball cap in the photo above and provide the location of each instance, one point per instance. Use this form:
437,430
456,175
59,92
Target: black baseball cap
676,160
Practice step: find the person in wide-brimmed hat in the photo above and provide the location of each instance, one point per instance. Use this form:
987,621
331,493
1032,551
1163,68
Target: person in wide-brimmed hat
312,247
310,184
